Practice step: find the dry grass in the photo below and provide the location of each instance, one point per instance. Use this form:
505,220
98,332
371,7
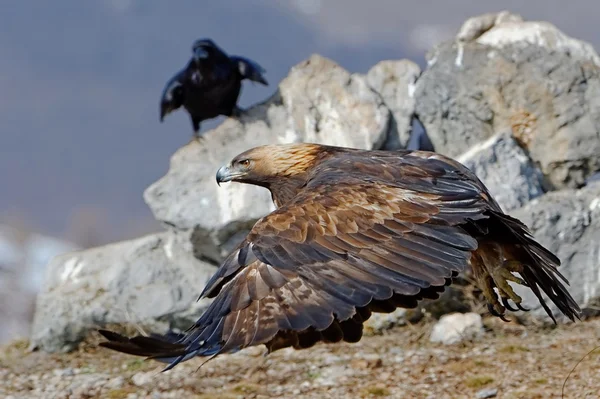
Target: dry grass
521,362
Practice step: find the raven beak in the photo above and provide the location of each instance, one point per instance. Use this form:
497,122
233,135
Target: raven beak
224,175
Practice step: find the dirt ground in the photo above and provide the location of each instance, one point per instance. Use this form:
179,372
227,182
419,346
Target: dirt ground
510,361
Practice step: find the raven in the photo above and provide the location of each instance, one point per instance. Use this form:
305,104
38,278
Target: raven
209,85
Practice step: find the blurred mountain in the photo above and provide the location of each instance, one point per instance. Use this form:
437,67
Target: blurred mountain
23,260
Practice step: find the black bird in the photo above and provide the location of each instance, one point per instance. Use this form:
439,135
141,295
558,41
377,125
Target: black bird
209,85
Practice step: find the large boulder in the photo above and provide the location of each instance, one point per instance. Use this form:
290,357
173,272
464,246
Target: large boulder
152,281
395,81
503,73
567,222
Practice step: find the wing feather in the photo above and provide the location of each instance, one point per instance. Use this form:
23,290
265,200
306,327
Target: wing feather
365,234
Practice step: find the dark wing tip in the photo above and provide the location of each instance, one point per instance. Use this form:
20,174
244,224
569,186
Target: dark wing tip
154,346
112,336
250,70
541,276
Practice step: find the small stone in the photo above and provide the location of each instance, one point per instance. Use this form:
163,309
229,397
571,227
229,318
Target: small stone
456,327
64,372
379,322
487,393
115,383
141,378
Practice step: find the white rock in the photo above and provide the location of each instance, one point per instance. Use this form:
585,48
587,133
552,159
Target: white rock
474,27
506,170
115,383
143,378
541,34
487,393
395,81
456,327
138,281
379,322
522,77
504,28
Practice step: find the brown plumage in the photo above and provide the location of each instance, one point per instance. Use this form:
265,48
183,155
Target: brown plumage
354,232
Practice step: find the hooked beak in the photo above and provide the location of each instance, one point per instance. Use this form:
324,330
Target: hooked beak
224,174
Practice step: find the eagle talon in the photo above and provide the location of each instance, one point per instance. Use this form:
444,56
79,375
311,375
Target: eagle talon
524,309
493,311
501,277
507,305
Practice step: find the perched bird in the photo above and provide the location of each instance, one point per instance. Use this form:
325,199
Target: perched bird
209,85
354,232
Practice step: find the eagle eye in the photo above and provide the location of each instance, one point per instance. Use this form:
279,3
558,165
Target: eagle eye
244,163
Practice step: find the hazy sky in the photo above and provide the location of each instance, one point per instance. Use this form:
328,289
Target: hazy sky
80,83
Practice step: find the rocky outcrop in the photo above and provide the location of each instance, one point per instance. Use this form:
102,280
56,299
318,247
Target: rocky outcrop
518,102
395,82
503,73
152,281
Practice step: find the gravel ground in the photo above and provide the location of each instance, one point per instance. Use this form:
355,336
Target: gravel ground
509,361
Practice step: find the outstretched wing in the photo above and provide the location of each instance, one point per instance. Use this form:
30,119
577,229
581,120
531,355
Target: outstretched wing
349,244
250,70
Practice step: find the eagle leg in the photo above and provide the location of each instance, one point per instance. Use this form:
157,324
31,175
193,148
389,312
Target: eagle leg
502,275
493,271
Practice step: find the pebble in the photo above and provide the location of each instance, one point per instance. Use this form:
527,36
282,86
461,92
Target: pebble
141,378
68,372
457,327
487,393
115,383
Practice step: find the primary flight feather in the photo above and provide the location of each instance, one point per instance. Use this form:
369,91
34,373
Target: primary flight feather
354,232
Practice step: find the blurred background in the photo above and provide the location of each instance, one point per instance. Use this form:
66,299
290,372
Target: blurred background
80,85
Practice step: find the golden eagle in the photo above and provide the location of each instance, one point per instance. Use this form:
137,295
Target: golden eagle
354,232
